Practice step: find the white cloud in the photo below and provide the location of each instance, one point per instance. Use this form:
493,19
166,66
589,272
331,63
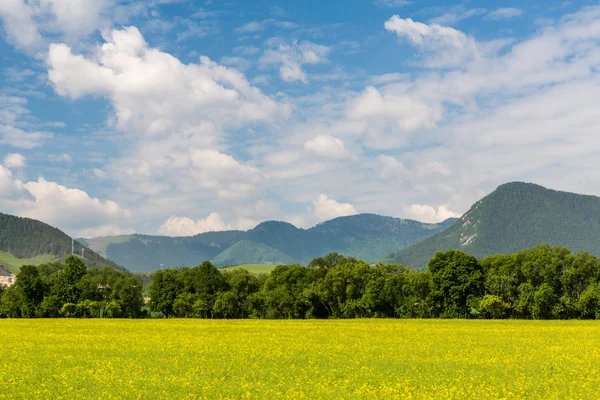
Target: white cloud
184,226
173,116
505,13
60,158
17,18
214,222
66,208
26,22
77,17
222,173
391,168
426,213
154,93
237,62
291,58
327,146
325,209
11,189
446,46
99,173
19,138
14,160
409,113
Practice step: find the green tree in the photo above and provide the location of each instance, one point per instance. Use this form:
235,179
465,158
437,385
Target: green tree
30,284
165,286
493,307
456,282
67,287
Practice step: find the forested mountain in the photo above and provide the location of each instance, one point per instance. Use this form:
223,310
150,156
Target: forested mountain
515,216
26,238
366,236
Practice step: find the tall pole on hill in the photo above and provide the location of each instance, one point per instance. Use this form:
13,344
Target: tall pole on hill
72,246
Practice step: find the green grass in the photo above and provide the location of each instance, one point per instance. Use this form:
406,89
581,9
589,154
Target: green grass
254,269
14,264
311,359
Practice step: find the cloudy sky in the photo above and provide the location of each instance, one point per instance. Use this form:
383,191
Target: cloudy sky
180,116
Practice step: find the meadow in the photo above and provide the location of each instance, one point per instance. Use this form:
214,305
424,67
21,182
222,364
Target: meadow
334,359
254,269
14,264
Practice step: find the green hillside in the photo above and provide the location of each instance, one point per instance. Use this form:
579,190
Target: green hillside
252,253
14,264
254,269
28,241
365,236
513,217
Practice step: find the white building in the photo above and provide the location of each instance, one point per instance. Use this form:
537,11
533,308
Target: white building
6,278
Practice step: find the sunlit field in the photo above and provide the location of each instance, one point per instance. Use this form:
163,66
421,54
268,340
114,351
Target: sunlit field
351,359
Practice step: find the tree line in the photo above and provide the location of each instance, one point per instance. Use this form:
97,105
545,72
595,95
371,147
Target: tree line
71,290
539,283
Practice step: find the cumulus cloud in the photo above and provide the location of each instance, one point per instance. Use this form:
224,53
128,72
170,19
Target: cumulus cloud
184,226
222,173
173,115
446,46
18,23
77,17
327,146
426,213
391,168
11,189
408,112
26,22
290,58
14,160
325,209
153,92
67,208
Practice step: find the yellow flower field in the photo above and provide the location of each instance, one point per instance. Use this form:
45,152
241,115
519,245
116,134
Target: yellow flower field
349,359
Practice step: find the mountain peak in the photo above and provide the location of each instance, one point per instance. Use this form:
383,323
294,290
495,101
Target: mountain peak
516,215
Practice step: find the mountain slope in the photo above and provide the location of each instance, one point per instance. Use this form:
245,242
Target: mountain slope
515,216
253,253
30,241
365,236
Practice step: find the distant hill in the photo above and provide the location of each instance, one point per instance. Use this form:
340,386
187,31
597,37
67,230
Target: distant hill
252,253
28,241
515,216
366,236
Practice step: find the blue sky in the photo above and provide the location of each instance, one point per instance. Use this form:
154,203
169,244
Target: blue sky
178,117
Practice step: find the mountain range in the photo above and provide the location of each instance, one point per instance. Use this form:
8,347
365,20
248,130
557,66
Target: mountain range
366,236
515,216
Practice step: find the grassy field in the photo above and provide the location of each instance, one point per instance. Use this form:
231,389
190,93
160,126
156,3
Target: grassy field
253,268
335,359
13,264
